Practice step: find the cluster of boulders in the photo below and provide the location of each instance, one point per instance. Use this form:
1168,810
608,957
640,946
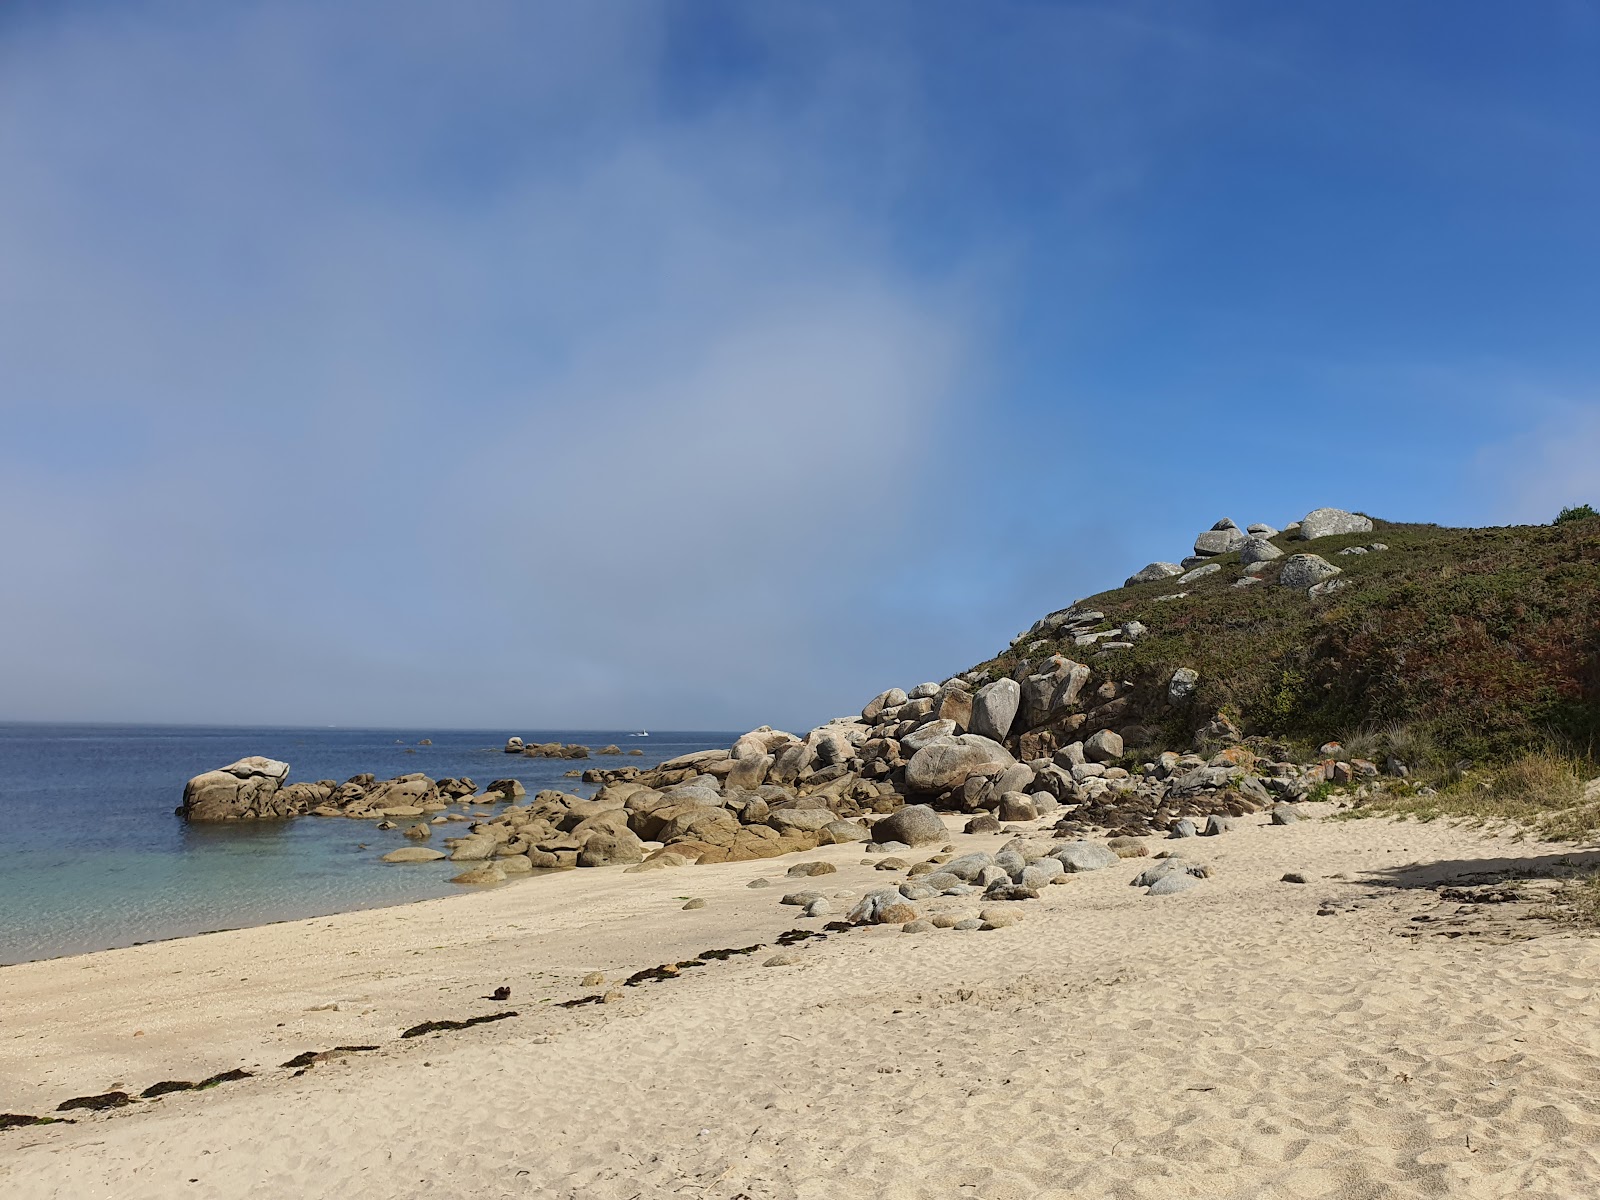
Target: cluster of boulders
516,745
254,789
1257,552
1054,738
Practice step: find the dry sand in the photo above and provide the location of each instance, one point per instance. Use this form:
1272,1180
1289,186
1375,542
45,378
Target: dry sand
1224,1042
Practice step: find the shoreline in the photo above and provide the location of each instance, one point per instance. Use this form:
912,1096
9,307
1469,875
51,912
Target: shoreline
1243,958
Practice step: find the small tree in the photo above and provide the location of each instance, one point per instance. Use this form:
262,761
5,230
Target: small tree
1581,513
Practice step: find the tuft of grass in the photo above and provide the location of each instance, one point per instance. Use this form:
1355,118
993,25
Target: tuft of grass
1579,902
1542,792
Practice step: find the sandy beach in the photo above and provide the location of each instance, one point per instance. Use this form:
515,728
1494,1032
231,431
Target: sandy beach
1228,1041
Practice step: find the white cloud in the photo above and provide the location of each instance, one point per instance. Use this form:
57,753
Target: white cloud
327,413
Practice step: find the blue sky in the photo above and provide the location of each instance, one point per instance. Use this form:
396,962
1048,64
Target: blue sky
529,365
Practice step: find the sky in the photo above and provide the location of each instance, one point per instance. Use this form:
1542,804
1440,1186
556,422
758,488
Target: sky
522,365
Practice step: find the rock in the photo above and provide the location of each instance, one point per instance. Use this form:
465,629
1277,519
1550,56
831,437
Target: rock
411,854
984,823
1318,591
1219,541
697,902
1103,746
1302,571
1217,824
514,745
594,979
759,883
1162,868
1263,530
1085,856
801,899
1200,572
1155,571
807,869
920,925
1171,885
1258,549
946,765
514,864
915,825
1284,815
999,918
1292,877
1329,522
923,691
605,848
1041,873
419,832
509,789
1014,806
994,708
241,791
870,908
838,833
1127,847
893,698
488,873
787,958
818,908
968,867
474,848
1182,685
808,820
927,735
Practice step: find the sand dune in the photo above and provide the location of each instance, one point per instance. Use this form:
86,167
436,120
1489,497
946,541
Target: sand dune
1227,1042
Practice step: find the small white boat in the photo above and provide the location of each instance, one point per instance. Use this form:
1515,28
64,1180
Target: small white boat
641,733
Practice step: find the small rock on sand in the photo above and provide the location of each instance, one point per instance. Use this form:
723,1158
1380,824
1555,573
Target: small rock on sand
811,868
786,959
594,979
697,902
759,883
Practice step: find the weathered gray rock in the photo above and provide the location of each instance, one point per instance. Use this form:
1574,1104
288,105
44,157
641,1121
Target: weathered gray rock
1155,571
818,907
413,854
893,698
1182,685
1217,824
241,791
807,820
604,848
838,833
945,765
1263,530
1014,806
1103,746
1085,856
1171,885
926,735
1327,588
1329,522
915,825
1219,540
994,708
1258,549
1303,571
1200,572
474,848
1041,873
968,867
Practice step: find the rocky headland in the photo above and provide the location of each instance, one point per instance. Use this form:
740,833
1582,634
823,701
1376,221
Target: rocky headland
1199,692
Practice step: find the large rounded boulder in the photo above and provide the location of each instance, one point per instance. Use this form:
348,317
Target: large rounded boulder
915,825
246,790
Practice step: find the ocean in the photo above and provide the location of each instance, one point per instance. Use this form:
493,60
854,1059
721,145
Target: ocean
93,857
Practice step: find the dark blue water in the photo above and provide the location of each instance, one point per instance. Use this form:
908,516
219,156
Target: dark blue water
91,855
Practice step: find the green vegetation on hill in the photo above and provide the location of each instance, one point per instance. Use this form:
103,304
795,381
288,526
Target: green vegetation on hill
1475,644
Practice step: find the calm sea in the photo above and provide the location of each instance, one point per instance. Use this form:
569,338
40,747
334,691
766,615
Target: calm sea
91,855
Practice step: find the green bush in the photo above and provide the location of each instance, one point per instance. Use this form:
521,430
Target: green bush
1581,512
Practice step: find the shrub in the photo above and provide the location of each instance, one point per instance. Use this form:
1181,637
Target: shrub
1581,512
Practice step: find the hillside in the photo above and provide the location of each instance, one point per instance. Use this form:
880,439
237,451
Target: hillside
1483,641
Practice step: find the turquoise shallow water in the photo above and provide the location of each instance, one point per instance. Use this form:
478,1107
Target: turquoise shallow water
92,856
